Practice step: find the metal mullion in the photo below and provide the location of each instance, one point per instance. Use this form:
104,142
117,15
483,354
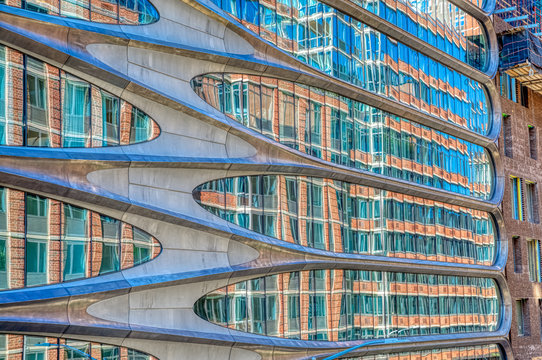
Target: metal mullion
90,242
25,100
25,238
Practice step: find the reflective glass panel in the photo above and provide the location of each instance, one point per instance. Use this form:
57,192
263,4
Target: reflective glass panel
21,347
438,23
126,12
347,218
344,47
43,106
45,241
477,352
347,132
345,305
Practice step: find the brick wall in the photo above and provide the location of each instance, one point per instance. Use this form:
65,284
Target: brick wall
523,166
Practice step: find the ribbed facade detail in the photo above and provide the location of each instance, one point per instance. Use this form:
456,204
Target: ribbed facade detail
249,179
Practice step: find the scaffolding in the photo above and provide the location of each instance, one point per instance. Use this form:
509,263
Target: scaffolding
521,47
521,57
526,14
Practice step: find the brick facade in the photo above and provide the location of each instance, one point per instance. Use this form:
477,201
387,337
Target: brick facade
522,165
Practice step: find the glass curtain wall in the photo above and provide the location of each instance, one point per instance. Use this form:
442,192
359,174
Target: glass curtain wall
346,48
347,218
477,352
21,347
125,12
45,241
438,23
347,132
42,106
346,305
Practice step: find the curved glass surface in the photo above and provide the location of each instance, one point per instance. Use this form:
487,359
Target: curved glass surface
23,347
440,24
346,132
477,352
45,241
347,218
344,47
43,106
343,305
125,12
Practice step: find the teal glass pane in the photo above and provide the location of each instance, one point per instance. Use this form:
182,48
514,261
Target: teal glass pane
37,117
75,242
33,349
140,127
110,245
110,119
143,247
76,113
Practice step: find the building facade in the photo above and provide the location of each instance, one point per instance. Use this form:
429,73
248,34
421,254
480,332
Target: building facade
251,179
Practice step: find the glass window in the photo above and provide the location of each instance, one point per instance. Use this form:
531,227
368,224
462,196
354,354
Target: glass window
340,217
41,106
331,41
359,296
522,317
346,132
531,201
37,118
517,199
533,249
76,112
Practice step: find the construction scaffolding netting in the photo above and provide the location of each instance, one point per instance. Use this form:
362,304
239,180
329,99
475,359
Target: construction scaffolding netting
520,47
521,57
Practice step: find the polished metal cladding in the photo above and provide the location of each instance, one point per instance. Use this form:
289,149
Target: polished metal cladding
346,132
127,12
44,106
348,218
336,180
343,305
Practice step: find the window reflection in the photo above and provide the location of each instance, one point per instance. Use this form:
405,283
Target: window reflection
350,133
356,304
46,241
438,23
128,12
20,347
339,45
477,352
342,217
62,110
